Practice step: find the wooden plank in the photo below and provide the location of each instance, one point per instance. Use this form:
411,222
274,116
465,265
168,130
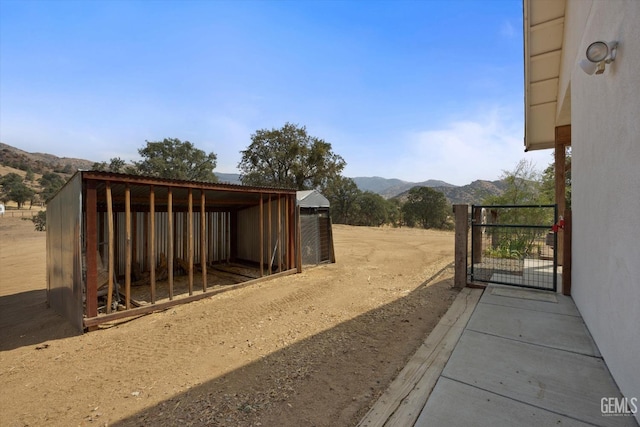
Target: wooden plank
127,231
134,234
280,233
401,403
298,241
91,250
560,159
203,241
261,236
476,233
231,244
152,243
110,231
170,241
270,231
461,213
293,231
190,241
95,321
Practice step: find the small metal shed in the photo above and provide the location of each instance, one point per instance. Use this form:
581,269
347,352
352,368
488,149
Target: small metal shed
315,228
122,245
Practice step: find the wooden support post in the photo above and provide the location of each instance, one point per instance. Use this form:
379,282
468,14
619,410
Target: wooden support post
232,247
203,241
110,267
145,242
91,249
293,234
190,241
477,236
127,263
279,233
152,243
566,264
461,213
261,236
560,159
298,241
270,232
287,232
134,238
170,241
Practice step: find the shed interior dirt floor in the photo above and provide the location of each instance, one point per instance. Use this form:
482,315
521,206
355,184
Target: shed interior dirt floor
315,348
219,276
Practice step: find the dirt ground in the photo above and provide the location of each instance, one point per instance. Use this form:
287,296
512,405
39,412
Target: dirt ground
313,349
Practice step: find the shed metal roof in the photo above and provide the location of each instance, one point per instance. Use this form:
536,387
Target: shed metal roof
312,199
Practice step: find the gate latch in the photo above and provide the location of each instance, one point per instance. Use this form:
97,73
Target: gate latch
558,226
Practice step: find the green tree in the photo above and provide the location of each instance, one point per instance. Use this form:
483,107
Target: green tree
523,187
39,221
342,193
50,182
426,208
13,188
174,159
548,182
289,158
371,209
116,165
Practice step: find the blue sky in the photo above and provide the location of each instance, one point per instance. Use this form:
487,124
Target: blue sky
413,90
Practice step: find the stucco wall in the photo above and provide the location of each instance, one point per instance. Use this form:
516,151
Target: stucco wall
605,116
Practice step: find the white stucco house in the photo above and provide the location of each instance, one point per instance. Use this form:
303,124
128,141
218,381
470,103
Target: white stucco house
599,116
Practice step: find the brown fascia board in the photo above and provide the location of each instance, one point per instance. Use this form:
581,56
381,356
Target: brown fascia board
197,185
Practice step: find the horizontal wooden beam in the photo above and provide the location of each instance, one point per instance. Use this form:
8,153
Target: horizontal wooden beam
92,322
115,178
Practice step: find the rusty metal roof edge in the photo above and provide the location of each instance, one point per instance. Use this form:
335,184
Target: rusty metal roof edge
152,180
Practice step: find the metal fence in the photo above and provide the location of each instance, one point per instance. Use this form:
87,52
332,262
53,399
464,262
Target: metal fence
19,214
514,245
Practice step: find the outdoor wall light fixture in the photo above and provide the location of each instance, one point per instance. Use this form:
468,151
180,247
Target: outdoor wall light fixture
598,55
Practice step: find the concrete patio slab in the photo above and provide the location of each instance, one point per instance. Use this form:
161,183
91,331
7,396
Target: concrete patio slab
556,380
522,298
531,326
522,360
529,294
457,404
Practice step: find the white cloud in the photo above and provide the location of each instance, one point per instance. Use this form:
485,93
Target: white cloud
463,151
507,30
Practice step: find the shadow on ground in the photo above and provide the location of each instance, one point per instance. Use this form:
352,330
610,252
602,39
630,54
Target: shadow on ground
25,320
329,379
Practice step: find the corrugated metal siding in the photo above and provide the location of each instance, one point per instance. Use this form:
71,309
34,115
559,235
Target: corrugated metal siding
64,252
249,233
216,229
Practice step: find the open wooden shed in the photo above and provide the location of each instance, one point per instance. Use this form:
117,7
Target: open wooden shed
124,245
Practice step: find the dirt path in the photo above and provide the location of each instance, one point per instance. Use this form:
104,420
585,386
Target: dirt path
315,348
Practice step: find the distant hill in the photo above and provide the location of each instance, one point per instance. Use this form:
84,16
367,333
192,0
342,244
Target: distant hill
228,178
389,188
40,163
473,193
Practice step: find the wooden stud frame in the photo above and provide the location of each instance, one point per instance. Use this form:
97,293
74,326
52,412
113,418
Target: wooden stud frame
130,218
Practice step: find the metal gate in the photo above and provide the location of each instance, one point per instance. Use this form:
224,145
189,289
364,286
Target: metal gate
515,245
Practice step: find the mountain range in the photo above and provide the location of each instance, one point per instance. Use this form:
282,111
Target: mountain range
388,188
